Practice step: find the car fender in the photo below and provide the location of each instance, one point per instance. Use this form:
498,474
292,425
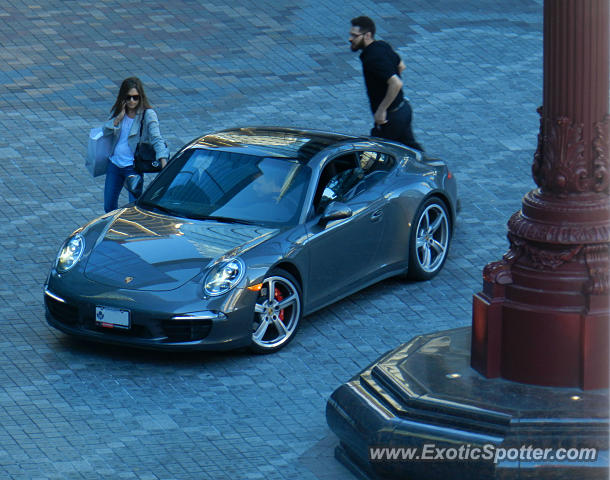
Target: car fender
286,251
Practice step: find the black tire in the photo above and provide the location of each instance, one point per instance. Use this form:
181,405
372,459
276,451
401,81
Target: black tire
277,312
429,239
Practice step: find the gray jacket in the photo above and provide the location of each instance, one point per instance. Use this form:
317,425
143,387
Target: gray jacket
150,133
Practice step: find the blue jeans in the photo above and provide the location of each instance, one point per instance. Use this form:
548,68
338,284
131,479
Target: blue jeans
115,177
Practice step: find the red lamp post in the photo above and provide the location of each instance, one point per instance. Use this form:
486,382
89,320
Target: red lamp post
543,315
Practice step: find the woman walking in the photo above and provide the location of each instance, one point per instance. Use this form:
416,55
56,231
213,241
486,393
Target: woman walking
132,121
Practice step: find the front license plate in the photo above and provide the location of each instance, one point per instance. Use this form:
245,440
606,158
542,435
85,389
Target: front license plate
112,317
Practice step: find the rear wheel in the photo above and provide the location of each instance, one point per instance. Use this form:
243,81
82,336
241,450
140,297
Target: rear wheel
277,312
430,238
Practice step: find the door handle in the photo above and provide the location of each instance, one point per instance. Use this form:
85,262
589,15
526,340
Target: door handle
375,217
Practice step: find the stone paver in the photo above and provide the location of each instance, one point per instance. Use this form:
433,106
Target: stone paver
70,410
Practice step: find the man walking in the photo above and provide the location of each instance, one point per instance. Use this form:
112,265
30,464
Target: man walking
382,67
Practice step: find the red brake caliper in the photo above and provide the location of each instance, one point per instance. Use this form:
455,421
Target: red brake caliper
279,297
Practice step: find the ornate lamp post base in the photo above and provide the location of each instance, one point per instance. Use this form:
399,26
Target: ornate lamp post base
424,396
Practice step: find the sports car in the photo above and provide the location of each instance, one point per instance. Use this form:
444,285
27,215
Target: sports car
247,230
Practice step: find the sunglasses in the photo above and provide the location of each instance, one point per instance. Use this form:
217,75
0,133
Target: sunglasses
133,97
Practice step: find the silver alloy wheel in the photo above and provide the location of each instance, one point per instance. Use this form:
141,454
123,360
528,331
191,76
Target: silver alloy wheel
277,313
432,238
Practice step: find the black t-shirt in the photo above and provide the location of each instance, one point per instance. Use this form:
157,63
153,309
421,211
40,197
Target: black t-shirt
379,63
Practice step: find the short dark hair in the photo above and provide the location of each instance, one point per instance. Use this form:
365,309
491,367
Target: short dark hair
365,24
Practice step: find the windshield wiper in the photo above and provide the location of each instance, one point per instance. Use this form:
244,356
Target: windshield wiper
169,211
154,206
220,219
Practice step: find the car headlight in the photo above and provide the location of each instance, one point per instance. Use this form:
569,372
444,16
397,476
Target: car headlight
224,276
70,253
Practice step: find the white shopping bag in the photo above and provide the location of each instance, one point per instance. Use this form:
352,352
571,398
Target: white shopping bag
98,151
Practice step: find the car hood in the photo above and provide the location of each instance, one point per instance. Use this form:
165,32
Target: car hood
148,251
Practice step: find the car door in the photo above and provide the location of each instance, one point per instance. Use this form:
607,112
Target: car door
343,251
375,186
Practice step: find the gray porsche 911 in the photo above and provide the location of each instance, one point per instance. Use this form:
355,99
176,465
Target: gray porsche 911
247,230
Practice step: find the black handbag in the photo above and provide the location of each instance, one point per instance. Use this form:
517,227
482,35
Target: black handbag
144,158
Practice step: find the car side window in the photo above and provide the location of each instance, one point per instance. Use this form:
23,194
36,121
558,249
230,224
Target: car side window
337,178
374,167
347,176
375,162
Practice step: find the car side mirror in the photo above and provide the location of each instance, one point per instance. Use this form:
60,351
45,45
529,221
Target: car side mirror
335,211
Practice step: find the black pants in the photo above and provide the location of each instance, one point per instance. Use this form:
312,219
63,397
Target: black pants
398,127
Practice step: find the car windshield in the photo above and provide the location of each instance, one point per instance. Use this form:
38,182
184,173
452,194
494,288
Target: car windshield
232,187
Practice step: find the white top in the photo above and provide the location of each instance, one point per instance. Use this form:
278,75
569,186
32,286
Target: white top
123,155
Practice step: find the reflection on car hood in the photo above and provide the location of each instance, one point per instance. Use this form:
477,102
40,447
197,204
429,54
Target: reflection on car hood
149,251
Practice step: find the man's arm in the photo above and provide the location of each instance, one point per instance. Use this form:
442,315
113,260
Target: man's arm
394,86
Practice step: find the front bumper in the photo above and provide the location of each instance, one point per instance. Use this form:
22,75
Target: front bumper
158,320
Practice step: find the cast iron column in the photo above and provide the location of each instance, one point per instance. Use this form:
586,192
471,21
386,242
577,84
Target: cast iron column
543,315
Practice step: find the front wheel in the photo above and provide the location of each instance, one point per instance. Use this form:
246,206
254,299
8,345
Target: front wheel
277,312
429,240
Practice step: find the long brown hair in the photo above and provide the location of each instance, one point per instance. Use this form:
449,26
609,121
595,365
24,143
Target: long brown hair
128,84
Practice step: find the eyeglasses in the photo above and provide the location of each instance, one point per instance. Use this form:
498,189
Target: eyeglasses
356,35
135,98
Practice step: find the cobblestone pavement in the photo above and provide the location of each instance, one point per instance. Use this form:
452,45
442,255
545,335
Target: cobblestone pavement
70,410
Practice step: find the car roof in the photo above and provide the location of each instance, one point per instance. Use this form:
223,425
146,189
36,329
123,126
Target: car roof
273,141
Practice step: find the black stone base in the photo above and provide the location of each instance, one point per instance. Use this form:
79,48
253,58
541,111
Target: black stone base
425,396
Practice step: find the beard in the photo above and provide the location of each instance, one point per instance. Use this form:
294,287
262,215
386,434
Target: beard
355,46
